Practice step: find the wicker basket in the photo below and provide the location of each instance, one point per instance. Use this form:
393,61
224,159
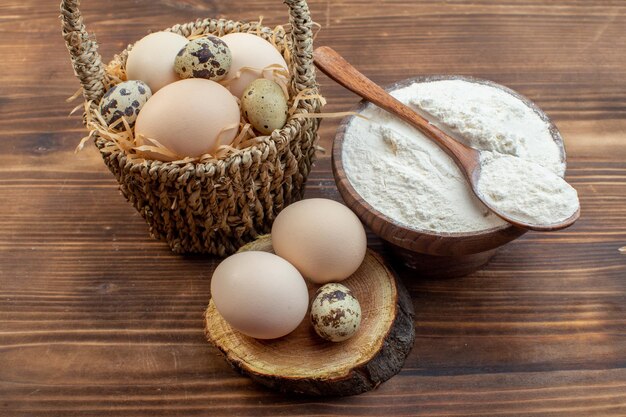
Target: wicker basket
212,207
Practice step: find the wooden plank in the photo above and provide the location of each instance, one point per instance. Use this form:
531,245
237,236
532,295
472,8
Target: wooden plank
98,319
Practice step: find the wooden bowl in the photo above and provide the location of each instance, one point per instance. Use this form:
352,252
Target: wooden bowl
432,254
304,363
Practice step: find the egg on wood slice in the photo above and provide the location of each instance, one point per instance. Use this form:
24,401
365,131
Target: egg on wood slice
207,57
251,55
335,313
259,294
125,99
264,105
151,59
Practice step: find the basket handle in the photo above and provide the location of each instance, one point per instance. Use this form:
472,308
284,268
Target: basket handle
83,51
89,69
302,39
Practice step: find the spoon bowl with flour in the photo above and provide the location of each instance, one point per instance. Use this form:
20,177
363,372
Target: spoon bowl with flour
521,192
528,194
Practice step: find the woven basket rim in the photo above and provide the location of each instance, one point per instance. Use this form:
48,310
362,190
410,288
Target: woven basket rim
292,123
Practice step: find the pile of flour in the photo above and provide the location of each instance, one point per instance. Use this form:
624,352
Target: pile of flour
406,176
525,191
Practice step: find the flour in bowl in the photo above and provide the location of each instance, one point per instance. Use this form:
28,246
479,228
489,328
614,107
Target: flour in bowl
525,191
407,177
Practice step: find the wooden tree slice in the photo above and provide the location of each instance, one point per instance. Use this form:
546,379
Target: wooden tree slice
303,363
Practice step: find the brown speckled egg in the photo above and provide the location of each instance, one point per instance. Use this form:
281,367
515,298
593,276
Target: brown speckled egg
207,57
124,99
335,313
264,105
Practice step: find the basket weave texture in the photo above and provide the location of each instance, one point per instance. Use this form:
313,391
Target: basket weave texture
213,207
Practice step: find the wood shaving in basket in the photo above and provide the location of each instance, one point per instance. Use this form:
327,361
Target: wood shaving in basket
275,72
310,94
115,73
121,135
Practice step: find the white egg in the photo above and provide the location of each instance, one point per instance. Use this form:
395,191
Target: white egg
324,239
190,117
259,294
151,59
249,51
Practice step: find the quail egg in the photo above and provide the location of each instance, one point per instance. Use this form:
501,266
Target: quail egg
207,57
264,105
335,313
124,99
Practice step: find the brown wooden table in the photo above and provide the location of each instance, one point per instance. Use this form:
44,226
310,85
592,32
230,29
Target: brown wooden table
98,319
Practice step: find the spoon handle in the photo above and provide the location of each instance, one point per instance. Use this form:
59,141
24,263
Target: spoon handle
341,71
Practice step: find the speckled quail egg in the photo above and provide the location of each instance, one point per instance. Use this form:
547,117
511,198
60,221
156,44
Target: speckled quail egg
335,312
124,99
264,105
207,57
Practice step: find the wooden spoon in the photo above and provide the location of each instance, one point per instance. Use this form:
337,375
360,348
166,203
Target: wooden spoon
468,159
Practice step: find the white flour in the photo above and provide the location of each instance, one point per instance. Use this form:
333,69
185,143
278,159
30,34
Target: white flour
406,176
525,191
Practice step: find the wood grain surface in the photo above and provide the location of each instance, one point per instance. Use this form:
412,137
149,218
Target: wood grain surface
97,319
